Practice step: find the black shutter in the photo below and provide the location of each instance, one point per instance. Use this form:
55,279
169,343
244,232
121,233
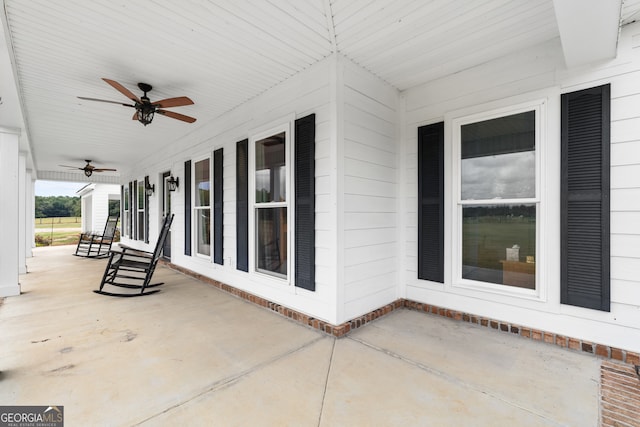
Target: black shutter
130,222
304,164
187,207
135,211
217,207
242,205
431,202
123,232
585,261
146,210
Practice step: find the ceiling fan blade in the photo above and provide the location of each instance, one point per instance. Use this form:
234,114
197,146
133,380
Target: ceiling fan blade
176,116
70,167
173,102
123,90
104,170
104,100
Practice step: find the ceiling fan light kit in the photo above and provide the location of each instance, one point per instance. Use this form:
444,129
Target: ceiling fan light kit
145,109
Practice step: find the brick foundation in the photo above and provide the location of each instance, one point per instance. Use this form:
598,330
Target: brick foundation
328,328
619,395
602,351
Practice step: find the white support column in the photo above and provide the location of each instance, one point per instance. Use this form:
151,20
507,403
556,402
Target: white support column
9,212
22,213
30,214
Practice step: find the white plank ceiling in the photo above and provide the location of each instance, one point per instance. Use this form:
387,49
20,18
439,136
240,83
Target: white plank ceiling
222,53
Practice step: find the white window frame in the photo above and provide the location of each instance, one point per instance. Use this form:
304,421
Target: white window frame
124,217
195,209
266,276
539,293
126,205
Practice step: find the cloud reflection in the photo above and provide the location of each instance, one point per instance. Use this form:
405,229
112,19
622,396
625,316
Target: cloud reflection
504,176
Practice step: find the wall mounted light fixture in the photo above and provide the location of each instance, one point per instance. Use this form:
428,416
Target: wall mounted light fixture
150,189
172,183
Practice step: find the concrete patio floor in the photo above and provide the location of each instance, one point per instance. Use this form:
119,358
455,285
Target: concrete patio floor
194,355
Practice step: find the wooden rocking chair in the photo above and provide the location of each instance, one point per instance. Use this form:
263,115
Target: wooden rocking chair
94,245
132,268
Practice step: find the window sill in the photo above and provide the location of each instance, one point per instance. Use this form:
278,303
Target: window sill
465,285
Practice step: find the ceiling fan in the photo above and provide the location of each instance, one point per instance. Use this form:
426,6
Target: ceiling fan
89,169
145,109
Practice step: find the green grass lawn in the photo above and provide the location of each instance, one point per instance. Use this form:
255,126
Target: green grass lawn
57,238
47,233
485,243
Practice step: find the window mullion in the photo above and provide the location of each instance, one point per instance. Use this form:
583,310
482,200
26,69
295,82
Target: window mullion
499,201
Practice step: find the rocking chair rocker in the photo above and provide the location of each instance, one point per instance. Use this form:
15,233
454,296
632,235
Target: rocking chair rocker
132,268
94,245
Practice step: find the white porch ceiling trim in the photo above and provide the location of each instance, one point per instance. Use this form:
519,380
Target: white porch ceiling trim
78,177
588,29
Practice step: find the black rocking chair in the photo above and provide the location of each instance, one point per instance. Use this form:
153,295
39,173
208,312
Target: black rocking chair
94,245
132,268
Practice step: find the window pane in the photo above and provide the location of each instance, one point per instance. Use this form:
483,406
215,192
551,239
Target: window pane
202,184
499,244
272,240
141,227
498,158
125,220
140,195
203,231
271,169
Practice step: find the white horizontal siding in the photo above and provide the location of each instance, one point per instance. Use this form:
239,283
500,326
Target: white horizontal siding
624,222
627,269
622,153
355,238
377,204
623,130
540,72
306,93
370,189
627,176
625,184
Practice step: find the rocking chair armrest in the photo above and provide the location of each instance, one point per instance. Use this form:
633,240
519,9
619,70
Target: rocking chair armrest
128,250
92,235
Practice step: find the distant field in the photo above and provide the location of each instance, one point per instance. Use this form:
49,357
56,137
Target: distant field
62,222
486,242
57,238
47,234
60,231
